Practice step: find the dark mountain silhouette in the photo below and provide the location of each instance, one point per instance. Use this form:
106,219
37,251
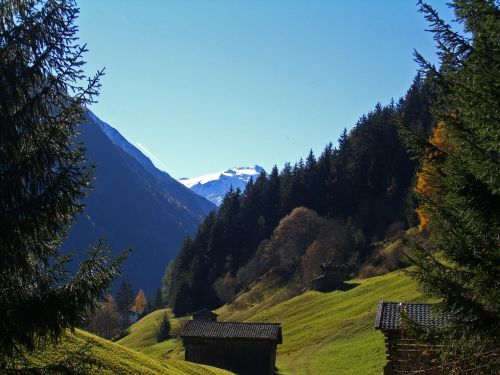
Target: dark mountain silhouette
133,204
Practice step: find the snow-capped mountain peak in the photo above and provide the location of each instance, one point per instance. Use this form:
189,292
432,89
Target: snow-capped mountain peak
214,186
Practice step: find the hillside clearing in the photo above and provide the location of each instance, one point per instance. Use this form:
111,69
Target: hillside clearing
323,333
142,336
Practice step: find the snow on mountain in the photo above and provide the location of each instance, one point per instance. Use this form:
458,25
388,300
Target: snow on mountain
213,186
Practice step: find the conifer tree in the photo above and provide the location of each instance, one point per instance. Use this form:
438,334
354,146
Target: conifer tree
43,176
157,302
167,283
124,300
163,329
273,199
459,187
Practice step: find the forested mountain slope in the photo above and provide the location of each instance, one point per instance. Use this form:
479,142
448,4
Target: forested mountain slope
363,185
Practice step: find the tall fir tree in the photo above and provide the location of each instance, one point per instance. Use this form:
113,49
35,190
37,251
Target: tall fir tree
43,176
167,283
163,329
459,187
124,300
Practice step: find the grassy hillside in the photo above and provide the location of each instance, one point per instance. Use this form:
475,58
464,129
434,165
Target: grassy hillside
323,333
111,358
142,336
332,333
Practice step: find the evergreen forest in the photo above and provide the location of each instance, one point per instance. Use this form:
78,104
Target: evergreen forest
365,183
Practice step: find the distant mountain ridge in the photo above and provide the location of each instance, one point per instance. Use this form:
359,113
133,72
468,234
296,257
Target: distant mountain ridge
173,186
214,186
133,204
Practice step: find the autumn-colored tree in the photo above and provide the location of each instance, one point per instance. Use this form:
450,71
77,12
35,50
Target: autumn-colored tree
226,287
337,246
140,303
281,255
291,238
428,178
302,246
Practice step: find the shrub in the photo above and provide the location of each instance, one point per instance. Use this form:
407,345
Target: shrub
226,288
164,329
367,270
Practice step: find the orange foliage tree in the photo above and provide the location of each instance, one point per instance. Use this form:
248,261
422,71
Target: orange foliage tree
140,302
428,176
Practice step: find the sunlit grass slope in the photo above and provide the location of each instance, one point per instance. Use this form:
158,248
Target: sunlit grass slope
333,333
111,358
142,336
323,333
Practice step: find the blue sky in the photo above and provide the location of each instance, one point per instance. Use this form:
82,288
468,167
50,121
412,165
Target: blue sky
207,85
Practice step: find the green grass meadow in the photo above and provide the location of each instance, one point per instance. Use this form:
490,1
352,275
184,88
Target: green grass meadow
323,333
109,358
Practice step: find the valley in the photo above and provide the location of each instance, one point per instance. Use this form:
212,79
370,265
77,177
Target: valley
364,242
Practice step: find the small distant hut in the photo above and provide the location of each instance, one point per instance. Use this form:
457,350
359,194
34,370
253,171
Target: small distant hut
243,348
205,315
319,283
405,355
333,275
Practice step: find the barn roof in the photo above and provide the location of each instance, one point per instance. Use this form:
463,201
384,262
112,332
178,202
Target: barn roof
204,312
389,317
320,277
232,330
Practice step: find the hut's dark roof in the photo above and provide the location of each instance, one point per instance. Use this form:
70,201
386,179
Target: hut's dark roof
320,277
389,317
232,330
204,312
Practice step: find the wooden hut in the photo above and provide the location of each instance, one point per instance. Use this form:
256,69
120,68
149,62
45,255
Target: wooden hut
405,355
205,315
333,275
319,283
243,348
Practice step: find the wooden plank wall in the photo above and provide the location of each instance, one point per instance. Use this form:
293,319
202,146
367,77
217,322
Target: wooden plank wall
407,356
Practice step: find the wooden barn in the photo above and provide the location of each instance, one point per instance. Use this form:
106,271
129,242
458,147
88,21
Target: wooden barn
206,315
333,275
243,348
404,355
